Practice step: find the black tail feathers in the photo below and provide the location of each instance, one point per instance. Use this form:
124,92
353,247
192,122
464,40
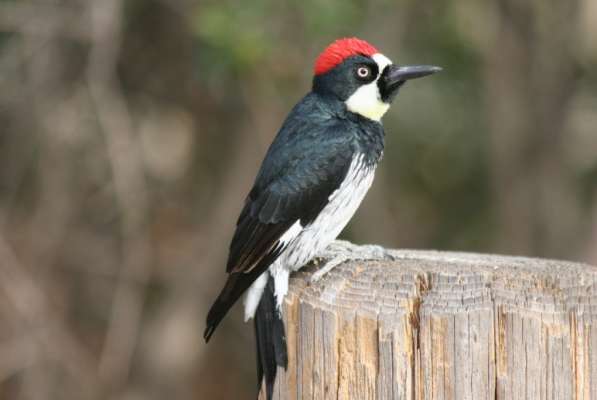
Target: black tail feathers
236,284
214,317
271,339
269,327
216,313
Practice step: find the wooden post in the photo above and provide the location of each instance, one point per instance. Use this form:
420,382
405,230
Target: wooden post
414,325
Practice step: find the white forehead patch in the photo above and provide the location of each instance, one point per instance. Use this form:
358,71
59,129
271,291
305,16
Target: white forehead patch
366,100
381,60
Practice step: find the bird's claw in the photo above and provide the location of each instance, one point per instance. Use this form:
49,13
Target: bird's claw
327,267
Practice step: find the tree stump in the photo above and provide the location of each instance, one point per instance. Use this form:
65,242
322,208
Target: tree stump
404,324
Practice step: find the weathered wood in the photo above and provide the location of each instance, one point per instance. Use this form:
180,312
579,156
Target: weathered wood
402,324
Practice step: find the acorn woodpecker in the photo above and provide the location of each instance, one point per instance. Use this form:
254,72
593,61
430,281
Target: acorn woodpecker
314,176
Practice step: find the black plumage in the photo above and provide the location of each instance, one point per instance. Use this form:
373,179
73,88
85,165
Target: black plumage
270,338
305,164
314,175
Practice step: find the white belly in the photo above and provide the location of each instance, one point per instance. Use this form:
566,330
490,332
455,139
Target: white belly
342,205
304,243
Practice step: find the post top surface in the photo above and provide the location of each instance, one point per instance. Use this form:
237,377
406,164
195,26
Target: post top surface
381,281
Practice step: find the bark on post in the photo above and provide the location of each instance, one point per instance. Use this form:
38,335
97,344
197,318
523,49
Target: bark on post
402,324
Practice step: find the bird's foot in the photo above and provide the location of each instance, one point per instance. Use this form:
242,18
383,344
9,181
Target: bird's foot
341,251
328,266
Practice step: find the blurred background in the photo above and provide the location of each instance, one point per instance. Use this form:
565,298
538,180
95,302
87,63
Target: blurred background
130,132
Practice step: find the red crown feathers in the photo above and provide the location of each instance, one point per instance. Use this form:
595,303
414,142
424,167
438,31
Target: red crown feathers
339,51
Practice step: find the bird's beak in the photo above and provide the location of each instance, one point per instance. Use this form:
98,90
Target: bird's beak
396,73
394,77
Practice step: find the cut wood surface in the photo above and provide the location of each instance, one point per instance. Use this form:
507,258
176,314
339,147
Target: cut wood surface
405,324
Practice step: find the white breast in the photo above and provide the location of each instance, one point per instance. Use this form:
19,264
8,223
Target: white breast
343,203
306,242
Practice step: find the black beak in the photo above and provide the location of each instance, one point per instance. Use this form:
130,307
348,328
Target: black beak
394,77
396,73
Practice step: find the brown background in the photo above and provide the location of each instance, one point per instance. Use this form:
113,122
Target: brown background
130,132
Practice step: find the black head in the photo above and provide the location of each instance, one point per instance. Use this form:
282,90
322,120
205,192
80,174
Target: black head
355,73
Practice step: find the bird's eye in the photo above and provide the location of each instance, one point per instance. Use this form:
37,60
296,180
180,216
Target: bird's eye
363,72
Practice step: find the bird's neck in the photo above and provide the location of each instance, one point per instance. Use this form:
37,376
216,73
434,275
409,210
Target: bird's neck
369,134
337,108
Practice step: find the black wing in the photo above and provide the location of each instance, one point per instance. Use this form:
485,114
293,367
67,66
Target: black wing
298,194
303,167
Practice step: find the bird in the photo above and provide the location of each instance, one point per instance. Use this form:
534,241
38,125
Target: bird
313,178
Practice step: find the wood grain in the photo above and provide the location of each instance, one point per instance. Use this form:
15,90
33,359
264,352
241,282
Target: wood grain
418,325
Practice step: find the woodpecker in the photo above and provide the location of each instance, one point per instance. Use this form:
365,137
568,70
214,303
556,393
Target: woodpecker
312,180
